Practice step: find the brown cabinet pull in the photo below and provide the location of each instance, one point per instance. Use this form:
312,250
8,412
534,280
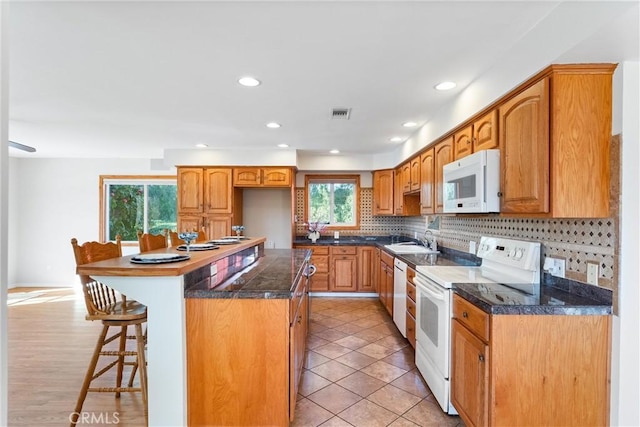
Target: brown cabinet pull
464,314
481,357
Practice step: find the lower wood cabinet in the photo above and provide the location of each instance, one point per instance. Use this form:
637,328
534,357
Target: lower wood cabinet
320,259
532,370
344,268
367,270
385,280
245,358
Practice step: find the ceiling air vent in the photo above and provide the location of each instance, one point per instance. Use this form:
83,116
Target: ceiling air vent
340,113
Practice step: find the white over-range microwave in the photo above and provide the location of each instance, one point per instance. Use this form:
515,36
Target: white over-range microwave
472,184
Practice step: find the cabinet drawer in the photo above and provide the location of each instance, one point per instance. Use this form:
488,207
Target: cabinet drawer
411,291
320,250
343,250
320,282
476,320
411,330
386,258
411,307
321,262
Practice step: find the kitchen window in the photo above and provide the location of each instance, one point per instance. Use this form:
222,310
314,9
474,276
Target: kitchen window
132,203
333,200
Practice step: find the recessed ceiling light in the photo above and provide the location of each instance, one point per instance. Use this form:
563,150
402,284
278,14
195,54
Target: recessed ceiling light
273,125
396,139
409,124
283,145
248,81
201,145
334,151
445,86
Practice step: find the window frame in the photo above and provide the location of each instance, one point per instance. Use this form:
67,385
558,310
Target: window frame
334,177
125,179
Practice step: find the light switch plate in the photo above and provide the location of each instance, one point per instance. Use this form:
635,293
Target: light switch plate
472,247
592,273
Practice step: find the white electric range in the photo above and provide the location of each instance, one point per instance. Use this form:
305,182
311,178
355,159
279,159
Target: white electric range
513,263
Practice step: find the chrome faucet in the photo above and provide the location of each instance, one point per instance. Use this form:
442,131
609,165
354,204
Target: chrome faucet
429,241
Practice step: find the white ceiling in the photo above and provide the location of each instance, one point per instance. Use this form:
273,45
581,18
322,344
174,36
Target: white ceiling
131,79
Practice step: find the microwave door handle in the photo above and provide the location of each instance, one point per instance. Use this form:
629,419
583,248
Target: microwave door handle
439,297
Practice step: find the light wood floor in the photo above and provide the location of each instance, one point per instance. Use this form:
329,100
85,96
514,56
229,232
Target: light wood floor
50,345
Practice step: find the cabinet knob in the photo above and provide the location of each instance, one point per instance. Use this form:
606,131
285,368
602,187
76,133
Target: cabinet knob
465,314
481,357
499,193
300,319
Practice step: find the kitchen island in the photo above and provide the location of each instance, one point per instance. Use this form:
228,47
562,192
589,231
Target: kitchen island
162,288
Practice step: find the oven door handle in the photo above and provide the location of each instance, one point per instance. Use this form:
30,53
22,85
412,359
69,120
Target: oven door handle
423,287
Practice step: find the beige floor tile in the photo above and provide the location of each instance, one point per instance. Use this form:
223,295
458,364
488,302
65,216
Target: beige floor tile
314,342
309,414
367,414
428,413
348,328
383,371
404,358
361,383
313,359
370,335
332,350
352,342
394,399
392,342
336,422
402,422
330,335
334,398
315,327
356,360
367,322
376,351
413,383
311,382
333,371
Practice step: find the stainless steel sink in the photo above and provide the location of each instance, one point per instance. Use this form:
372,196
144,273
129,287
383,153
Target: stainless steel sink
400,248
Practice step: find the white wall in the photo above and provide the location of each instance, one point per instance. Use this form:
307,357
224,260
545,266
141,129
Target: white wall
625,384
4,193
57,199
267,212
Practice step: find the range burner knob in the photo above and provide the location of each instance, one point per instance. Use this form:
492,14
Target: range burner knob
519,253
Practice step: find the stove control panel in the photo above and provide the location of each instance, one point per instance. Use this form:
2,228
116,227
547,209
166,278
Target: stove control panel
515,253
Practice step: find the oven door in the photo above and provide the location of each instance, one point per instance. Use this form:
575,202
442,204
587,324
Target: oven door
433,322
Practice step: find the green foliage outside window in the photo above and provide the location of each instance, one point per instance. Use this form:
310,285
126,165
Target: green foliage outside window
126,209
332,203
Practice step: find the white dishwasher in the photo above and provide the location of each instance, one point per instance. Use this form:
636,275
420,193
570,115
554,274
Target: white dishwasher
400,296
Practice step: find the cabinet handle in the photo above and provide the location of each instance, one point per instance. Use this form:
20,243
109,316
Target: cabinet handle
464,314
481,357
300,319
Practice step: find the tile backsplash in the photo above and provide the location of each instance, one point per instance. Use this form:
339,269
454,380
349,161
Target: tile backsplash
578,241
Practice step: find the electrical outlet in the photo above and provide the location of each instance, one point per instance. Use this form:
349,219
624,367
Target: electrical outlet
592,273
270,244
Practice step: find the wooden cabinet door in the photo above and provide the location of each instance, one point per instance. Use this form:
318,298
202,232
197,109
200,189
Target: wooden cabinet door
524,141
383,192
427,177
406,177
218,190
189,223
366,255
414,184
246,177
218,226
297,340
469,376
398,192
463,142
190,190
276,177
389,289
443,154
344,273
382,283
485,132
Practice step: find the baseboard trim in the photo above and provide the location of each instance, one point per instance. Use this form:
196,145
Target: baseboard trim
344,294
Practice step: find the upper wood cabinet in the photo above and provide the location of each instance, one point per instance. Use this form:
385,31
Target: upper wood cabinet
262,177
406,177
427,182
383,192
524,133
190,190
485,132
463,142
554,138
218,194
414,176
398,191
443,154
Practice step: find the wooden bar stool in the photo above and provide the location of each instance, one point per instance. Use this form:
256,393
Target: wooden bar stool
104,304
149,242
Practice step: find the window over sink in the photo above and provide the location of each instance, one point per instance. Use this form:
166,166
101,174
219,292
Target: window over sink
132,203
333,200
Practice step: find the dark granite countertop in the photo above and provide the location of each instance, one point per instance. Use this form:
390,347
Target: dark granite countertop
272,276
552,300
